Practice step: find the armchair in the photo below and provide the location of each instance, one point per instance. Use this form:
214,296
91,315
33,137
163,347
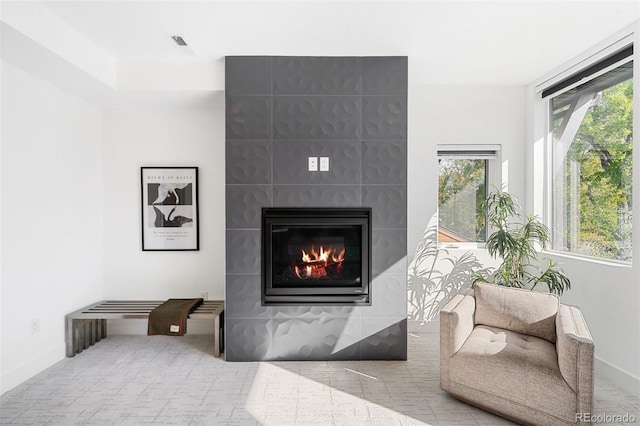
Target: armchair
519,354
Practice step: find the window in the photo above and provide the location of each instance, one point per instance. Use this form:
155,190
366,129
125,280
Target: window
463,179
591,140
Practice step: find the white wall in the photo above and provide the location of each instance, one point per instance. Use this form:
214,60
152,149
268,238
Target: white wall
162,137
458,115
608,296
51,219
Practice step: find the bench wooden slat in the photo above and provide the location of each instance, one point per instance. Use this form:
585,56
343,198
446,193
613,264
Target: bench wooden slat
88,325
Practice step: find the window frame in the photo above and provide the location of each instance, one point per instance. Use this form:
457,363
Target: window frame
491,154
543,132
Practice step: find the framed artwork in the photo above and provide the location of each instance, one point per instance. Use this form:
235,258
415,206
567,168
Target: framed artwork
170,208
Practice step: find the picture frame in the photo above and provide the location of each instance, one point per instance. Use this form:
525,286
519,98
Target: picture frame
169,207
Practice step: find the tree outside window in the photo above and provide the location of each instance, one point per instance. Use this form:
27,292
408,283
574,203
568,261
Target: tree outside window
461,192
592,166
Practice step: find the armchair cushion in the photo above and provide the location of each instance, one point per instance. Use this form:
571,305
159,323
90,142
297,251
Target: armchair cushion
506,363
533,314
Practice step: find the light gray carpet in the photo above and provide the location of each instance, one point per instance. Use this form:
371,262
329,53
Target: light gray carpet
134,380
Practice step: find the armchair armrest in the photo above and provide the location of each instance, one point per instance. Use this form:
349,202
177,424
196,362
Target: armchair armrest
456,324
575,355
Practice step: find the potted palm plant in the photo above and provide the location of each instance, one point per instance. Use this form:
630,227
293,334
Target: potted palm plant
515,240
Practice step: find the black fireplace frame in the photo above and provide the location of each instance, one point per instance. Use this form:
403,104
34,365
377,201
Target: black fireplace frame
359,295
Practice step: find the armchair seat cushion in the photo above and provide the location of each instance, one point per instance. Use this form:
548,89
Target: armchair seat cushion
518,369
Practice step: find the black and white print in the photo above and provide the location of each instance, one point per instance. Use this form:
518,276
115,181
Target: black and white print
169,198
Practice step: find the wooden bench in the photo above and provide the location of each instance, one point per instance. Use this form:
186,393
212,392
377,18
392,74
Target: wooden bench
88,325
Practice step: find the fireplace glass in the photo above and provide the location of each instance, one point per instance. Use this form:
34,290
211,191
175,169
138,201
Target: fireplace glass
316,256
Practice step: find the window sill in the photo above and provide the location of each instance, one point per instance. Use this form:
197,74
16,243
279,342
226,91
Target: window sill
462,246
583,258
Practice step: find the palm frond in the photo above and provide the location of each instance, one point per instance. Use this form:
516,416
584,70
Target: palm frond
502,243
555,278
516,240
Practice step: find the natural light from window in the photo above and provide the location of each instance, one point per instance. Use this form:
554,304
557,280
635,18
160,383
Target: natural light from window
591,166
461,191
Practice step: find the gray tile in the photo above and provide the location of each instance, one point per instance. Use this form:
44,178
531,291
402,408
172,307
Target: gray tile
317,117
243,297
247,75
384,162
247,339
388,297
389,251
290,162
309,75
384,338
384,117
316,196
243,252
315,338
384,75
248,162
244,205
308,312
388,204
248,117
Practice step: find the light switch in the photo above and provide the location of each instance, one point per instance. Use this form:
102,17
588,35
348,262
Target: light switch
324,164
313,164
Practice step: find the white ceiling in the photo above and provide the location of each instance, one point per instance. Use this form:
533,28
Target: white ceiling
448,42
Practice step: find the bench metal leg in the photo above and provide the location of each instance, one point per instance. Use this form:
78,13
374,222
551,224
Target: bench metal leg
68,337
91,340
80,334
222,336
103,329
216,336
86,325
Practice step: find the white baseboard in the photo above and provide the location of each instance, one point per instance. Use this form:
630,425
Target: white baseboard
30,368
622,379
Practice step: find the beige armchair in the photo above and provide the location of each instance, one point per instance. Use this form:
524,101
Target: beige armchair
519,354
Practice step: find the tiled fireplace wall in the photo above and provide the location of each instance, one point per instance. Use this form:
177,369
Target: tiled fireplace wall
279,112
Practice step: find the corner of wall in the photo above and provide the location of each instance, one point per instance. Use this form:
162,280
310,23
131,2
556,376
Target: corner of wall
622,379
14,377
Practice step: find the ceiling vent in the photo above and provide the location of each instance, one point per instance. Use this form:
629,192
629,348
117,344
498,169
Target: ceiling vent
182,45
179,40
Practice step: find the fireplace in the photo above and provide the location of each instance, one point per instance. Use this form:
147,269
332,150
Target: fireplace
316,256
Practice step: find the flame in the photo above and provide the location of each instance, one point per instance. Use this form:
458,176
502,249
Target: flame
339,258
305,273
316,262
321,256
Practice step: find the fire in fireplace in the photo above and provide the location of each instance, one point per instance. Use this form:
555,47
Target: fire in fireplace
316,256
319,265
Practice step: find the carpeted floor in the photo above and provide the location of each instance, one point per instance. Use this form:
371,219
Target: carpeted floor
134,380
